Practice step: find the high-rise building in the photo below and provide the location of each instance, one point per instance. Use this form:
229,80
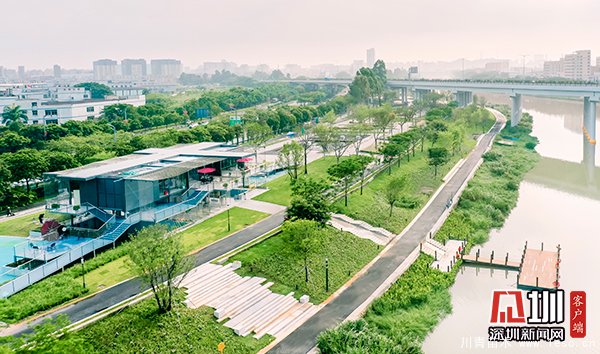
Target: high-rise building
21,72
134,68
370,57
57,71
165,68
575,66
105,69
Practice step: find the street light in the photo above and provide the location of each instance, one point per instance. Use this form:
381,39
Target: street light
228,219
114,131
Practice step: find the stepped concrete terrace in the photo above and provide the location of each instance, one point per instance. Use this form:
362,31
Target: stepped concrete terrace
245,304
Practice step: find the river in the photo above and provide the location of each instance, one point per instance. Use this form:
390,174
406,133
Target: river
556,206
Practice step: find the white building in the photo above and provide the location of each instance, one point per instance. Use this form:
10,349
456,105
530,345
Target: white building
370,57
165,69
59,104
575,66
105,69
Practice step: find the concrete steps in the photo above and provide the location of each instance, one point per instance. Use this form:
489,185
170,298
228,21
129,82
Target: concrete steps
244,304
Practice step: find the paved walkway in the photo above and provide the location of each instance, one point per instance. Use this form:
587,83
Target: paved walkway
361,229
303,339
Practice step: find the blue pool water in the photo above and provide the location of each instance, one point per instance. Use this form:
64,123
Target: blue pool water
6,254
6,248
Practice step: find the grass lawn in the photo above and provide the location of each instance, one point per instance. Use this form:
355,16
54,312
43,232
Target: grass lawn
140,329
279,189
215,228
372,207
194,238
273,260
21,225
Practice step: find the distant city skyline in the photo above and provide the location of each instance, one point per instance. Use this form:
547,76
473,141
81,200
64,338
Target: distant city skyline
76,33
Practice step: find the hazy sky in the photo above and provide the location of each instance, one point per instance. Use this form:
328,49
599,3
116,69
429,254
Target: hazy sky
73,33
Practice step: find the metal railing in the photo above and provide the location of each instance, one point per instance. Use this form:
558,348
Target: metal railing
23,280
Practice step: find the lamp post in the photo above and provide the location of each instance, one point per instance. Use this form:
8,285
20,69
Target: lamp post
114,132
228,219
83,272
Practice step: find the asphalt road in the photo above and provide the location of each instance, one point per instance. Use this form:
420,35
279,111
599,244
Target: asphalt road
132,287
303,339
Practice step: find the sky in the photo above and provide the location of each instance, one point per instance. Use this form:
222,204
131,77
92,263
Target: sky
73,33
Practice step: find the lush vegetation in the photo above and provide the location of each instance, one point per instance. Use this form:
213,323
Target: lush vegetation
277,261
140,328
409,161
110,267
27,151
400,320
280,191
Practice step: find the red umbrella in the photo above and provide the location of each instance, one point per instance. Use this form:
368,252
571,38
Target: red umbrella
245,159
206,170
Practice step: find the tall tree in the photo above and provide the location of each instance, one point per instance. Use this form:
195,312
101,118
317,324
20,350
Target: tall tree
392,191
345,171
258,135
26,164
97,90
437,157
304,237
308,201
14,114
290,158
307,140
160,261
383,118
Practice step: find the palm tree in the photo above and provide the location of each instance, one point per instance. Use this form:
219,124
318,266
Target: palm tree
13,114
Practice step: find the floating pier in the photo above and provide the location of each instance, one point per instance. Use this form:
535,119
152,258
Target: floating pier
538,269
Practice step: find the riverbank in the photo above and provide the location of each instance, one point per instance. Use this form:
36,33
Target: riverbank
402,318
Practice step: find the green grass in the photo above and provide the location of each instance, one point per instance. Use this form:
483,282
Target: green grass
279,189
274,260
401,319
215,228
372,207
21,225
140,329
110,268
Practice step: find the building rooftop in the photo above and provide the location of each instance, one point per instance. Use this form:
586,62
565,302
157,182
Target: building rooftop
149,162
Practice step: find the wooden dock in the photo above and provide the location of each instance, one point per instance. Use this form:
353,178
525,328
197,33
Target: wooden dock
538,269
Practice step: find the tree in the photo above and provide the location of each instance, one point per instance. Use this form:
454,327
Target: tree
382,119
96,89
58,161
392,191
14,114
363,161
340,142
324,137
159,260
258,135
437,157
307,139
290,158
304,237
26,164
11,141
405,115
345,171
390,151
308,201
358,132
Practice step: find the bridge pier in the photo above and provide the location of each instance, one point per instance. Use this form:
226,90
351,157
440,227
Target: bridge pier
464,98
419,93
517,109
404,95
589,132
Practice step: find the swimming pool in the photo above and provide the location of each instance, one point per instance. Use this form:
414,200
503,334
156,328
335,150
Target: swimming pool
7,255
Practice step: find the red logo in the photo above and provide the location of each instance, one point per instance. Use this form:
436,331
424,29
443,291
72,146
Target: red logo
577,322
508,314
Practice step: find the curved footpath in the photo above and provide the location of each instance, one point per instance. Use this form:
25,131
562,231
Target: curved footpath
303,339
